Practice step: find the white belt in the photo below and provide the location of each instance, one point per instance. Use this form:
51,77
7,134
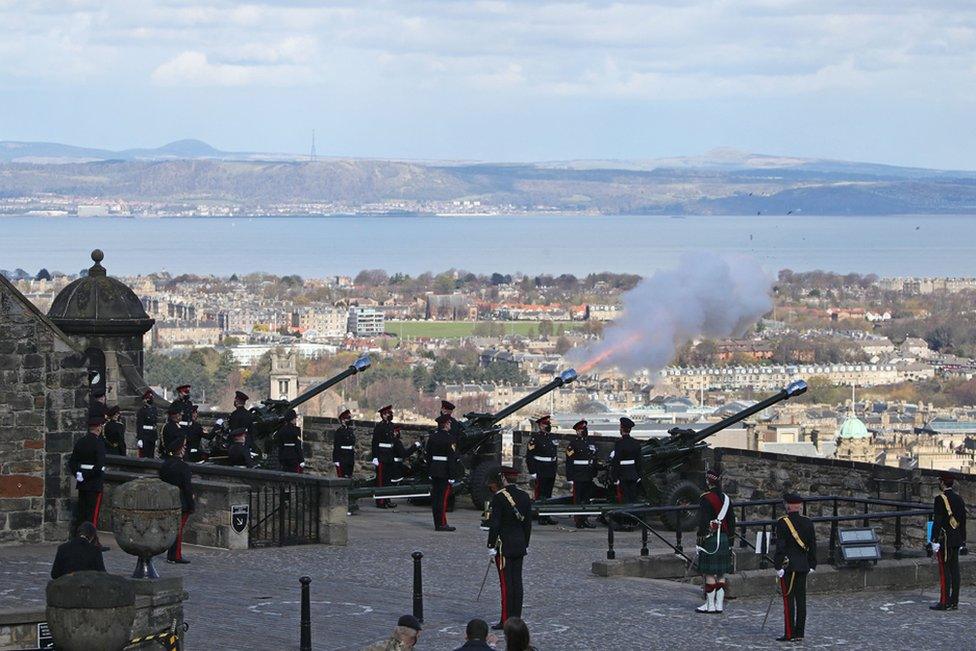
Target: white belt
149,427
582,463
627,462
193,449
398,459
345,447
183,423
87,466
547,459
438,458
289,445
386,445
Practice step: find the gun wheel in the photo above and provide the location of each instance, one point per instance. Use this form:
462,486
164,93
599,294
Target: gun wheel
681,493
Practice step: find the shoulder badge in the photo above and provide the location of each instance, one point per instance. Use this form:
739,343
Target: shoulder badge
570,452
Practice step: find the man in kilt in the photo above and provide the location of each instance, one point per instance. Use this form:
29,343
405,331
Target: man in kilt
716,523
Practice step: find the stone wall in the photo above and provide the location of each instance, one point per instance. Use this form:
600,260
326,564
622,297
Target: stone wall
43,401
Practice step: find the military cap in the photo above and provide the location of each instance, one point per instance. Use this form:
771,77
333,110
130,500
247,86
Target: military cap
409,621
543,420
173,409
344,414
175,445
95,421
388,409
443,418
580,425
98,392
626,424
194,408
111,411
183,387
291,414
240,395
148,394
238,433
792,498
446,404
508,471
947,479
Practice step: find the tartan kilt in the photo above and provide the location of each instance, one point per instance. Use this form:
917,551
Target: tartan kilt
721,561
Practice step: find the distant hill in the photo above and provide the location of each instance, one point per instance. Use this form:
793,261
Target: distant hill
719,182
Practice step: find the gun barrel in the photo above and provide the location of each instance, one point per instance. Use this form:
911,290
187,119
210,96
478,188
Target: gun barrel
563,378
360,364
793,389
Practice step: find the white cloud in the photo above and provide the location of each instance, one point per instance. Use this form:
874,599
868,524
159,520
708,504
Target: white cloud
194,69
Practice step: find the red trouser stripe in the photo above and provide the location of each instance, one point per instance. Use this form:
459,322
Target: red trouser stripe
537,488
98,506
943,596
786,608
179,537
620,494
339,472
379,483
447,494
501,581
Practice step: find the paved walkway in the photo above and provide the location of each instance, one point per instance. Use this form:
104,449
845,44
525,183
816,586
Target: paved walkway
250,599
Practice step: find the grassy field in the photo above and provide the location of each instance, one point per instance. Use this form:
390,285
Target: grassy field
457,329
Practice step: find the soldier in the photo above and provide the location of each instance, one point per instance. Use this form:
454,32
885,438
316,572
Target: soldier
195,452
185,404
794,558
509,530
625,463
146,421
382,448
87,462
716,524
81,553
541,461
344,446
242,419
579,470
177,473
948,539
290,453
172,430
441,457
114,432
238,454
97,408
456,429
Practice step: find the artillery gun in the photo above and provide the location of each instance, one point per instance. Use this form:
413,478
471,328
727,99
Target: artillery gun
478,451
671,467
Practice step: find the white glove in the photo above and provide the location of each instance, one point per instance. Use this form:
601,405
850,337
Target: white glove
451,482
79,476
301,465
781,573
812,570
617,482
336,464
376,461
492,552
935,546
139,444
532,475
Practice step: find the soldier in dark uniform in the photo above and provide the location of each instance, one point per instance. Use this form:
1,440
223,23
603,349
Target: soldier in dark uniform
716,524
456,429
87,463
114,432
795,557
948,539
176,472
541,461
290,453
509,530
382,448
146,422
344,446
185,404
195,450
580,454
80,554
238,454
97,407
625,463
172,430
441,457
242,420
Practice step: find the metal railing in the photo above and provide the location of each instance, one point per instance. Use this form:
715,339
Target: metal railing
860,507
284,513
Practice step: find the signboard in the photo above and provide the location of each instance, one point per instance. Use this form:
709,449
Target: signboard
44,639
239,517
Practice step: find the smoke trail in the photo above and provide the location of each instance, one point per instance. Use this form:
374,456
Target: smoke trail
707,295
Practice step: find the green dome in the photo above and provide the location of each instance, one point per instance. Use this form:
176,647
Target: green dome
853,428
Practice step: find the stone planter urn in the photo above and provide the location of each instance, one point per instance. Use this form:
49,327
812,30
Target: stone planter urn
146,515
90,611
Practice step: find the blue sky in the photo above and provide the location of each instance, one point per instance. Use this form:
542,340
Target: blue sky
505,80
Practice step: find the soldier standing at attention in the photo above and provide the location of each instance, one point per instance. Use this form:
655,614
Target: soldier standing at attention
172,430
541,461
242,420
579,470
716,523
290,453
456,429
87,462
114,432
948,538
195,452
795,557
440,464
382,448
185,404
146,421
625,463
176,472
509,530
344,446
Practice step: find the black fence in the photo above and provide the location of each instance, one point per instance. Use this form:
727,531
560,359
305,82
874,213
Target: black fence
764,514
284,513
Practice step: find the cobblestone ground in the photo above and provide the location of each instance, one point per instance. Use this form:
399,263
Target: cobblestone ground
250,599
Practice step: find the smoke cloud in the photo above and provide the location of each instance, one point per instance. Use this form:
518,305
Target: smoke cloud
707,295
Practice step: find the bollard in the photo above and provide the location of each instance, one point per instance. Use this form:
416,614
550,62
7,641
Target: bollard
306,628
611,554
643,550
418,588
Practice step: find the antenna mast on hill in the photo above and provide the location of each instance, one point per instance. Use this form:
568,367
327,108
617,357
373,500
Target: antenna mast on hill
311,153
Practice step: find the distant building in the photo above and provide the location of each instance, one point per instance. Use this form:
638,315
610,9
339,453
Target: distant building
365,322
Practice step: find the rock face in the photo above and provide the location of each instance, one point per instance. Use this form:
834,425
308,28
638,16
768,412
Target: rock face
89,611
146,519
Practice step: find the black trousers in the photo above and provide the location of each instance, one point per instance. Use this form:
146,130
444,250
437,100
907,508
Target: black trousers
949,576
438,500
510,580
628,491
89,504
794,588
583,490
344,470
543,487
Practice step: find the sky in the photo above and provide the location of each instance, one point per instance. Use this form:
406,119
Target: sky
890,81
